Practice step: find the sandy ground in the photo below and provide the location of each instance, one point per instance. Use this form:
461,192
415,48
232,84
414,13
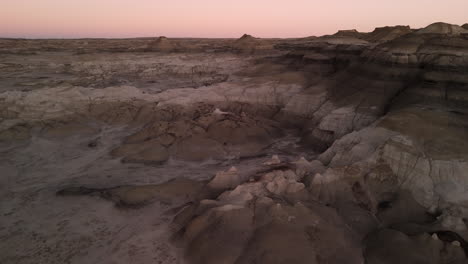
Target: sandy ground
40,227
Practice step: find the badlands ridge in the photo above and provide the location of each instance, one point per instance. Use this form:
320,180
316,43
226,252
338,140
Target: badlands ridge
345,148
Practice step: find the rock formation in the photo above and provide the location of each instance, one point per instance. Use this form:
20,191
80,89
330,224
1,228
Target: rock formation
199,136
346,148
248,44
349,33
442,28
162,44
384,34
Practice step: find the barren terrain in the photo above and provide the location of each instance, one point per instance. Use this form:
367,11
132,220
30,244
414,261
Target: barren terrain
345,148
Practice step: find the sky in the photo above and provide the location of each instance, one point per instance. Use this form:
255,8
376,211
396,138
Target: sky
216,18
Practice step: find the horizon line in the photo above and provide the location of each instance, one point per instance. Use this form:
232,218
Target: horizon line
202,37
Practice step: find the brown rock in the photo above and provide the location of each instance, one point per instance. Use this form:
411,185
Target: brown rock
384,34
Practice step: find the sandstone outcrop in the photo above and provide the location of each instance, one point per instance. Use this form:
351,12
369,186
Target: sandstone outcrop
442,28
384,34
254,226
349,33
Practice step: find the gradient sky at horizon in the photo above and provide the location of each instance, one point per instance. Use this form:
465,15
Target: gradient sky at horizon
216,18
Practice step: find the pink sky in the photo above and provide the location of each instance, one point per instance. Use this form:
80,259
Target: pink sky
216,18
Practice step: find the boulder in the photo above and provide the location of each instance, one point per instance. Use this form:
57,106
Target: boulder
225,180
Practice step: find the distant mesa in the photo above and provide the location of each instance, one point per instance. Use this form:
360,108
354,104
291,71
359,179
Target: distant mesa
379,35
309,38
162,44
250,44
246,39
343,37
389,33
443,28
348,33
384,34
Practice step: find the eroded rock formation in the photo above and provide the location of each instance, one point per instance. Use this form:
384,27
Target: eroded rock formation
380,119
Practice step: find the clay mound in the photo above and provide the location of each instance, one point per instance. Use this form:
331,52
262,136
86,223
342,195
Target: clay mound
465,26
162,44
349,33
249,224
384,34
248,43
442,28
247,38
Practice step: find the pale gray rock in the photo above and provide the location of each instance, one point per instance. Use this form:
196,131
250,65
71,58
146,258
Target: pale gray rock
442,28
